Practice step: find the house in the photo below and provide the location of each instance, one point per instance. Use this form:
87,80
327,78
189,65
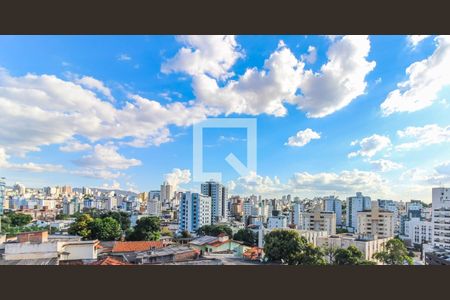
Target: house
44,249
136,246
109,261
172,254
221,243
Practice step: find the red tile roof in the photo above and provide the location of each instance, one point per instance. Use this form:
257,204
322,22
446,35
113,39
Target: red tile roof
137,246
109,261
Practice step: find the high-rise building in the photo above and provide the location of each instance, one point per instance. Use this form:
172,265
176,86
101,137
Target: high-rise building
318,220
153,195
19,189
356,204
298,209
219,200
2,194
86,191
194,211
441,217
419,231
376,222
333,204
167,192
154,207
66,190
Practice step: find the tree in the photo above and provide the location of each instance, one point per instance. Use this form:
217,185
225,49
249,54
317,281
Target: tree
106,229
395,253
146,229
20,219
349,256
122,217
309,255
247,236
185,234
282,245
81,226
62,217
166,232
215,230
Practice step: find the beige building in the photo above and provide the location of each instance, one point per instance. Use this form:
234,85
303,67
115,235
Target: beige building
376,222
318,220
367,245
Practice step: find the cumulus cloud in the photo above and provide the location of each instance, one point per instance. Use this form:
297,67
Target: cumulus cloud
27,167
438,176
92,173
94,84
340,80
39,110
213,55
423,136
384,165
369,146
74,146
282,79
302,138
345,182
311,57
178,176
426,78
415,40
106,157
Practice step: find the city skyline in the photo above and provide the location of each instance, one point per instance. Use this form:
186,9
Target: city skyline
335,114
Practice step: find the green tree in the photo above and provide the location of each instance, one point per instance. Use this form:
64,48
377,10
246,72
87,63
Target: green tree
81,226
62,217
122,217
247,236
394,253
106,229
185,234
348,256
309,255
282,245
215,230
19,219
146,229
166,232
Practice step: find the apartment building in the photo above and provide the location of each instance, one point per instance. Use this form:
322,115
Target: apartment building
318,220
376,222
194,211
441,217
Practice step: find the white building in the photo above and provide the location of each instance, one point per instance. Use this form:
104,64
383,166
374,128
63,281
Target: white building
419,231
219,200
167,192
298,209
333,204
2,195
194,211
354,205
441,217
277,222
154,207
368,246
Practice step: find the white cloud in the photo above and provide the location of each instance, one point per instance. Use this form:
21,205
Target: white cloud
101,174
443,168
213,55
124,57
255,92
74,146
440,175
27,167
39,110
106,157
311,57
340,80
414,40
114,185
281,80
308,184
302,138
370,145
178,176
423,136
94,84
384,165
426,78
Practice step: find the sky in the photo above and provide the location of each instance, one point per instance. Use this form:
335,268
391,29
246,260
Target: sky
335,114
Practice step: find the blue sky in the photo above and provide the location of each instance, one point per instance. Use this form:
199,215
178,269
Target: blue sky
335,115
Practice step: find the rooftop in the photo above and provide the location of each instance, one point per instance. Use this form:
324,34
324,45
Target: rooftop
136,246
